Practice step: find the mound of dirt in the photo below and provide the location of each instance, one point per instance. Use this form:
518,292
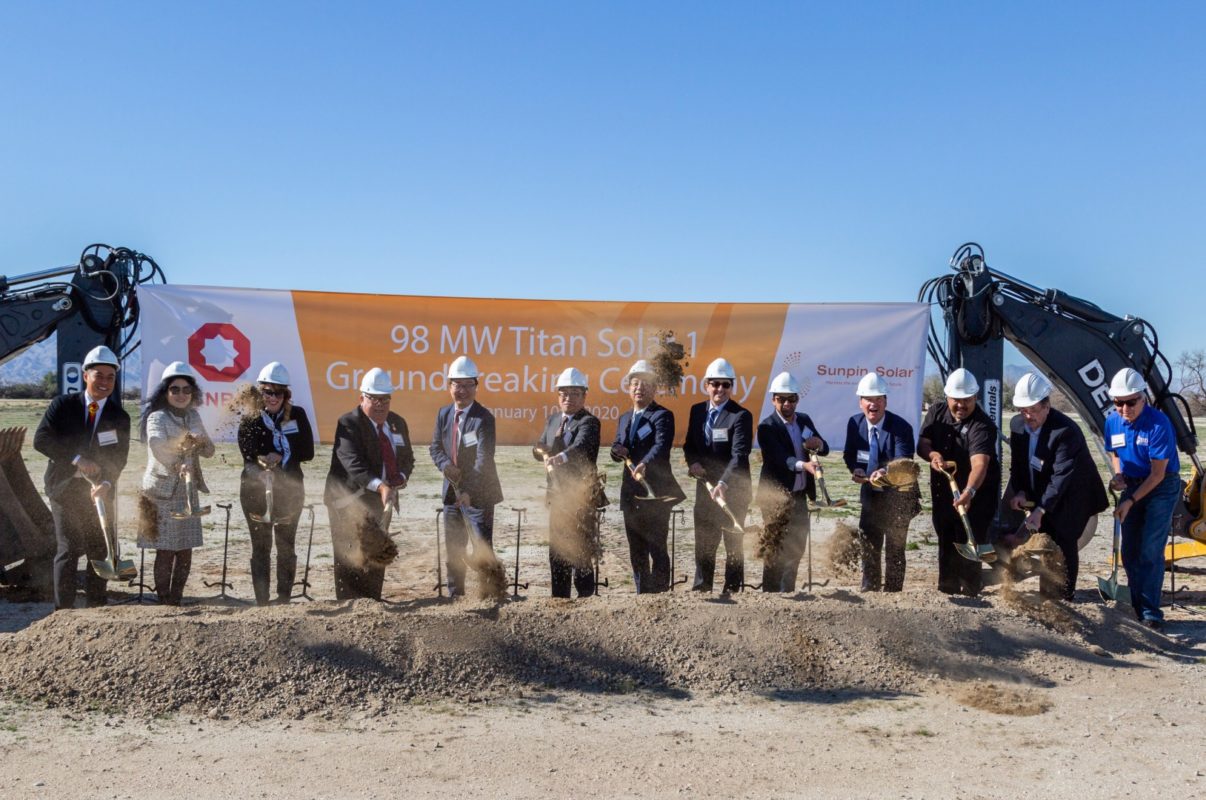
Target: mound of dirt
363,657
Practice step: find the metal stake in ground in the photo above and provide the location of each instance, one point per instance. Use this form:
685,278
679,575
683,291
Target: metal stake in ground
596,547
141,598
515,584
674,513
808,545
304,583
439,587
221,595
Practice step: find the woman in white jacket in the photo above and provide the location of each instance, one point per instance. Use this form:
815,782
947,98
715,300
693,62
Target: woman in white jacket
176,442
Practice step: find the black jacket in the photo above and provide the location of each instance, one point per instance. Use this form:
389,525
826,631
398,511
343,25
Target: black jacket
580,443
776,446
727,461
63,434
474,457
356,455
650,445
255,440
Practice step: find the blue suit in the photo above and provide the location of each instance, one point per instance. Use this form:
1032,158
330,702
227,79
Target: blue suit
479,478
784,510
885,514
646,522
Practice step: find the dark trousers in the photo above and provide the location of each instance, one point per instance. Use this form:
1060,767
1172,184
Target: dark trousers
647,525
884,530
956,574
262,537
457,522
77,532
171,573
353,578
779,569
571,549
711,526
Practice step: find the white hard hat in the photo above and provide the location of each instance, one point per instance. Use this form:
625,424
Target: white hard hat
872,385
720,368
1031,389
961,384
1126,383
376,381
274,372
784,383
178,369
101,355
462,367
641,367
571,377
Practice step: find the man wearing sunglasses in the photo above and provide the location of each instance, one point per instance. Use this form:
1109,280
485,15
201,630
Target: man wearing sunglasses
1051,472
1143,453
959,430
786,482
719,437
371,462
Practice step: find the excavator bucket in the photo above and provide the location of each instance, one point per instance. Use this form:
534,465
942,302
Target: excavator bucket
26,526
1193,527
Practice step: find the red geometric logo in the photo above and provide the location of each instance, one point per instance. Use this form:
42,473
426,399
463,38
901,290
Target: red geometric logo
219,351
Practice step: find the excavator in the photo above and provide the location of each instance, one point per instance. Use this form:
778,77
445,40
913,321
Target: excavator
91,302
1076,345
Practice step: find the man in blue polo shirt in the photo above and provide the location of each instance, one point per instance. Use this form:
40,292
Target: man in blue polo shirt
1143,451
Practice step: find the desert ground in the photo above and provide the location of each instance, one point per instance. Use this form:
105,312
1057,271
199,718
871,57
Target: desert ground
825,693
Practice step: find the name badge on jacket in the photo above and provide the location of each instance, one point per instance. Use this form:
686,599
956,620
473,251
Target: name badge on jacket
1118,440
470,439
863,457
104,438
720,435
1036,463
644,431
398,440
289,427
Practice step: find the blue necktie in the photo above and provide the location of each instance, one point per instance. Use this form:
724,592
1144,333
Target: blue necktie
713,413
873,456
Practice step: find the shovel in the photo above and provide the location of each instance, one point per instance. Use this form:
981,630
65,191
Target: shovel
192,501
720,501
649,495
820,476
112,567
971,550
1109,588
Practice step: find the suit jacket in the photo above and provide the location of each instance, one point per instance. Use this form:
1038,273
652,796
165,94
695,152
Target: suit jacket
775,478
580,443
650,445
255,440
479,476
63,434
1066,484
356,455
727,461
896,441
165,431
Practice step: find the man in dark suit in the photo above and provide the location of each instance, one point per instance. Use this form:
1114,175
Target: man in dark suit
786,483
86,436
569,448
371,461
1051,467
720,434
874,437
462,447
644,438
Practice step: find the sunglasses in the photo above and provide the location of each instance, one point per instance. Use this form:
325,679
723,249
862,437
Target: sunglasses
272,392
721,384
1126,403
787,398
186,390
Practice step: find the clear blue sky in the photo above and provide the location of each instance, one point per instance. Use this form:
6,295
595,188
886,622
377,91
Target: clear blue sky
660,151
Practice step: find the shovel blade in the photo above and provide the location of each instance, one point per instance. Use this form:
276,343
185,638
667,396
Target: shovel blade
126,570
1111,589
104,569
968,551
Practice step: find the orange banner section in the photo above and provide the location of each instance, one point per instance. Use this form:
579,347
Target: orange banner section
521,346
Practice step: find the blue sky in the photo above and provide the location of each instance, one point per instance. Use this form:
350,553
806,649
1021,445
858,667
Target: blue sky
655,151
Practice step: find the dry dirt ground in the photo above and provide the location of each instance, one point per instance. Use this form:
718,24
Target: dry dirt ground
827,693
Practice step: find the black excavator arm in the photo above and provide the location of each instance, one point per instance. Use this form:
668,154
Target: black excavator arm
1074,343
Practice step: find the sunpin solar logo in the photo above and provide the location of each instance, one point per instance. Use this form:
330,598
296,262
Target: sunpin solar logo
219,352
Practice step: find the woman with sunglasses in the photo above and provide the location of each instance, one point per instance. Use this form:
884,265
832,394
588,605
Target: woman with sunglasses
1143,452
274,441
176,443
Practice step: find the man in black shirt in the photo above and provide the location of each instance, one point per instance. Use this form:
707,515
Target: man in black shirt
960,431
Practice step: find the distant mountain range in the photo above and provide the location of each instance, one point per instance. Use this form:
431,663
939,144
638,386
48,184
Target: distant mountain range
34,363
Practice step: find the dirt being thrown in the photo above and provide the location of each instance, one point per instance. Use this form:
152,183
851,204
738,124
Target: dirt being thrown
1019,702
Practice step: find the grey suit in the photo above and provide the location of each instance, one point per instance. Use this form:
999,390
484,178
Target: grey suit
479,478
572,498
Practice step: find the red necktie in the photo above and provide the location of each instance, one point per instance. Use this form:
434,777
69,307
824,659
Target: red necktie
92,409
456,436
392,476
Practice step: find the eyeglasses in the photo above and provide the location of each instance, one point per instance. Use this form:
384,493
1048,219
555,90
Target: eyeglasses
787,398
272,392
185,390
377,399
571,392
464,384
1127,403
721,384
